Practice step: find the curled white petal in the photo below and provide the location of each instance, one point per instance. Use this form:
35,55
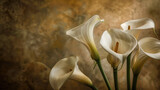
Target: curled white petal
138,24
64,69
147,47
127,43
84,33
138,59
80,77
150,46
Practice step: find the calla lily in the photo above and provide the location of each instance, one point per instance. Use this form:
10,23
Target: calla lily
118,44
64,69
84,34
134,27
138,24
148,47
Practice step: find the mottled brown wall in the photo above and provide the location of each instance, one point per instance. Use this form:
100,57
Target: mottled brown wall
32,40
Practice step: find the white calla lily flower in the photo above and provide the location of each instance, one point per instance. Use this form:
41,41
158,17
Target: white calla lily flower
64,69
138,24
118,44
148,47
135,27
84,34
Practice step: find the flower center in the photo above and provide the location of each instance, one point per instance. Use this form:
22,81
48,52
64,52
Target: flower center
116,47
70,69
129,27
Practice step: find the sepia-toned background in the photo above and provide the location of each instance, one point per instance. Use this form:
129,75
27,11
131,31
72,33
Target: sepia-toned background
32,40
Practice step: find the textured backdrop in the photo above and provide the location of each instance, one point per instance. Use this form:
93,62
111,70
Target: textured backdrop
32,40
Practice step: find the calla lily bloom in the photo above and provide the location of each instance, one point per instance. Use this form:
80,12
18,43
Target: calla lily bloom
118,44
134,27
148,47
84,34
64,69
138,24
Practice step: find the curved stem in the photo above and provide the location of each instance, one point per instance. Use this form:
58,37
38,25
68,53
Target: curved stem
115,73
128,72
135,76
103,74
92,87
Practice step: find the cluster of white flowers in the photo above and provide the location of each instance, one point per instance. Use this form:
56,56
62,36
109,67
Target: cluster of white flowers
118,43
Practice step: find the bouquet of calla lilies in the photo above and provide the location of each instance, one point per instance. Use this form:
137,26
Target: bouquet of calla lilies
120,45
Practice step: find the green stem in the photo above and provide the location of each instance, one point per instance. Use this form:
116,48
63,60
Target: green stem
135,76
103,74
115,78
92,87
128,72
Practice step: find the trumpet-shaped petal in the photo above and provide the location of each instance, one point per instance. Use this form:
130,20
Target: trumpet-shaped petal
80,77
138,24
147,47
118,44
150,46
84,34
135,27
64,69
